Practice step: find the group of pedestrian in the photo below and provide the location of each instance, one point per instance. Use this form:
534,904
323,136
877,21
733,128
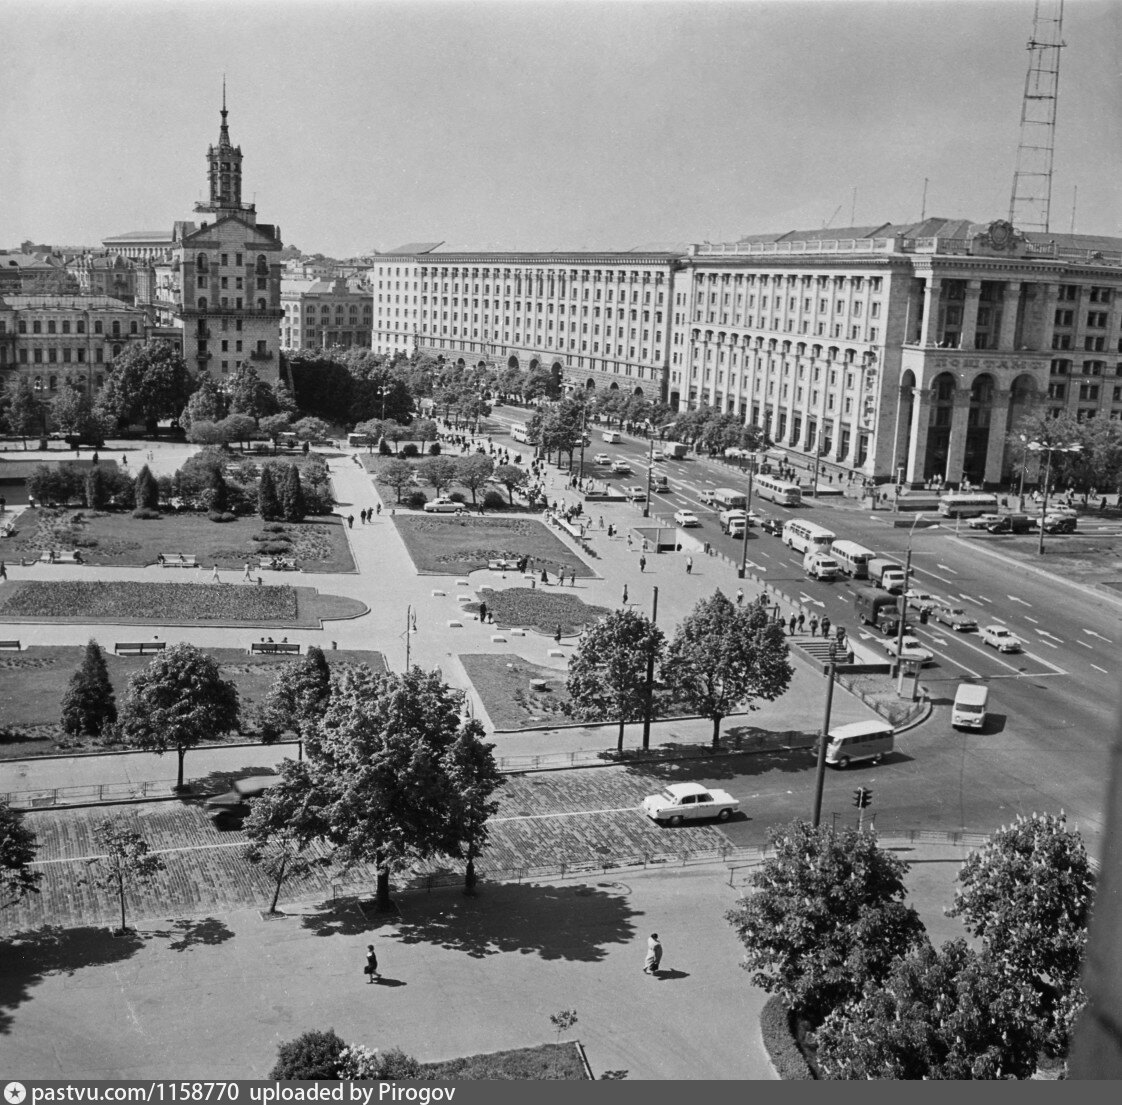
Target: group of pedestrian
365,516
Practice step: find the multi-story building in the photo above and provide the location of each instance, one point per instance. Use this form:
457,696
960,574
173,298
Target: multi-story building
593,319
319,314
105,274
220,282
53,340
19,272
139,245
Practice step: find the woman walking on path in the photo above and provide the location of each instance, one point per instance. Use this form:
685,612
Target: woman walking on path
371,968
654,955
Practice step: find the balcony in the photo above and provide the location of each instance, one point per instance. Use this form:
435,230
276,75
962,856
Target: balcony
266,356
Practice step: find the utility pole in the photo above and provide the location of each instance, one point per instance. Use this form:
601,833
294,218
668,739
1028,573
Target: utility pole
744,543
824,739
650,474
410,629
649,704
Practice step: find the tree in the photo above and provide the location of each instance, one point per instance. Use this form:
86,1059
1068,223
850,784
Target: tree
268,502
425,429
206,404
827,916
396,432
473,777
314,1056
146,383
218,492
292,495
1042,428
178,701
608,672
127,861
250,395
312,429
473,471
238,427
397,474
96,489
72,412
375,765
723,657
510,476
17,853
146,492
439,472
27,413
946,1014
274,425
321,385
280,829
361,1064
55,282
298,697
203,432
1027,894
1100,462
89,705
373,428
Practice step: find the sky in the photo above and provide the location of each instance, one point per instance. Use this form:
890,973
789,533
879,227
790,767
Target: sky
543,125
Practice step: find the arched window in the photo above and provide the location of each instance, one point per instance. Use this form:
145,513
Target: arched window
262,265
201,263
52,383
97,326
116,329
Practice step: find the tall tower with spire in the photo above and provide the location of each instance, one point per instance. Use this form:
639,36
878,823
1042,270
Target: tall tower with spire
224,175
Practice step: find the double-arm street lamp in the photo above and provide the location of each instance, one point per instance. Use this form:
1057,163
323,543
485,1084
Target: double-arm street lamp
1048,448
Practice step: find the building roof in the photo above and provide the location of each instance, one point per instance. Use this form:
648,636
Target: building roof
409,247
65,303
29,261
140,236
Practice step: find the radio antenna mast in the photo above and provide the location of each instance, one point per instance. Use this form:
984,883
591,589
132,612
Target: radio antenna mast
1031,200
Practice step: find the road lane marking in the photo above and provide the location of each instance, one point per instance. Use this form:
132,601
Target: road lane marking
1041,660
804,597
984,599
1092,633
1085,645
1049,644
1033,620
1045,633
946,568
933,575
1097,668
1013,598
981,652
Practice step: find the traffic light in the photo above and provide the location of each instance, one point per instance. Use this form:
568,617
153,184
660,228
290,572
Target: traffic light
862,798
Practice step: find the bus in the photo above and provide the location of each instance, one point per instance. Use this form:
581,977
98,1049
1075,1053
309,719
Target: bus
521,432
967,505
806,536
358,441
853,558
778,491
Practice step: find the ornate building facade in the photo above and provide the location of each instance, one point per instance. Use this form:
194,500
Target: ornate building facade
320,314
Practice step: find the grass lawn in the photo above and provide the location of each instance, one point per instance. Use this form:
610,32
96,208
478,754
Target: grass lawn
539,608
194,603
446,545
503,682
33,683
319,544
546,1061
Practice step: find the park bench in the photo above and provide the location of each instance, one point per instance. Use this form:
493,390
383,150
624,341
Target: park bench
61,557
139,648
278,563
286,647
10,645
177,560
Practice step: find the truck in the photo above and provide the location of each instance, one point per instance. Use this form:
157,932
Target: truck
886,574
674,450
877,609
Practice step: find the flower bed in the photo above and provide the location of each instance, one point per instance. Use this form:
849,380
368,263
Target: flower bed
105,601
539,609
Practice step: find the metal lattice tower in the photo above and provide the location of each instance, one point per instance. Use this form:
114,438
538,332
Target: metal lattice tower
1031,201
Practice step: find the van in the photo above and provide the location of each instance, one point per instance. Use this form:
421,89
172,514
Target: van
612,437
969,709
886,574
877,609
818,565
661,483
852,558
728,499
860,740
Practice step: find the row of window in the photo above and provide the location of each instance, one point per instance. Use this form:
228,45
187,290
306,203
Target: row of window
1087,368
203,262
65,356
1096,320
1092,343
63,327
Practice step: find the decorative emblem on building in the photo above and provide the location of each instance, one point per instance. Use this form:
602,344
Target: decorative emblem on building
1000,235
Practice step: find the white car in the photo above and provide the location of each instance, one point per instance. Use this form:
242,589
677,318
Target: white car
443,505
658,454
982,521
997,636
636,494
686,518
622,467
921,600
679,802
910,649
602,458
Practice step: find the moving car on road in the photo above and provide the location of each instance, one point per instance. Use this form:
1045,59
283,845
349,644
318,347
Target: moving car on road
679,802
1056,523
231,808
636,494
997,636
983,521
910,649
621,467
955,617
443,505
686,518
773,526
602,458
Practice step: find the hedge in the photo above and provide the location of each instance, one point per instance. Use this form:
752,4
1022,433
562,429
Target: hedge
775,1026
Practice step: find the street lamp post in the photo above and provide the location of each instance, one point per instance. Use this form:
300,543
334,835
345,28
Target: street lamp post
1024,462
650,474
648,704
899,670
1047,448
744,542
823,740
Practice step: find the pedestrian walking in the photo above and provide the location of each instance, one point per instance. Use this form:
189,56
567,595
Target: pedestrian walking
814,625
557,635
246,576
378,509
350,521
601,521
3,570
625,594
792,625
482,611
214,575
629,540
371,968
825,625
545,576
839,632
739,597
654,955
802,618
689,565
642,564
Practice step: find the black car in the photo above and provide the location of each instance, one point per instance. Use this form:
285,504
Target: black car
773,526
228,810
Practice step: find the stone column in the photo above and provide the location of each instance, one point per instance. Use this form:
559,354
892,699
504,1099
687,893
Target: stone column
956,446
917,441
970,314
1010,300
999,427
929,327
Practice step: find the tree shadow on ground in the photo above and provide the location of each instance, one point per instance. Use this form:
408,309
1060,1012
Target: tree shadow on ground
698,768
187,934
342,917
28,957
573,922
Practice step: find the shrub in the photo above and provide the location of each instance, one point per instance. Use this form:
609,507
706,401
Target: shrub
434,449
145,514
410,450
415,500
457,496
384,449
89,705
314,1055
779,1039
362,1064
274,538
493,500
279,548
274,527
220,516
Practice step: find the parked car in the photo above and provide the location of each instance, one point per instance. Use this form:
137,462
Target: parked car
636,494
686,518
679,802
997,636
443,505
910,649
621,467
232,806
602,458
983,521
955,617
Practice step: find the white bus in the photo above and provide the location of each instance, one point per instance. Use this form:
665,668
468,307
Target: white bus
783,492
963,505
853,558
520,432
806,536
